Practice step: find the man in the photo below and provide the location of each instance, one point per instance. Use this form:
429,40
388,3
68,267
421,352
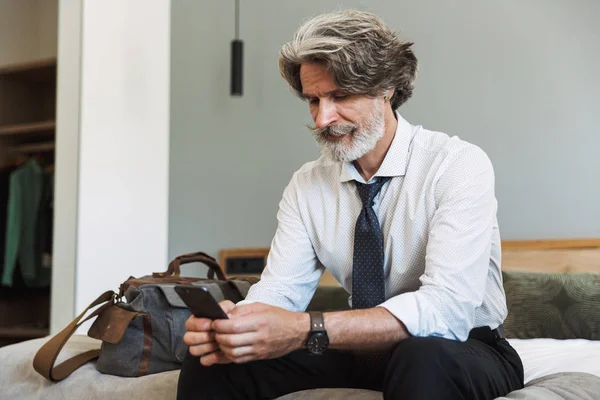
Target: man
403,217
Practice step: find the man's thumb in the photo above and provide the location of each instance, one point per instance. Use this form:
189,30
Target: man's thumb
227,306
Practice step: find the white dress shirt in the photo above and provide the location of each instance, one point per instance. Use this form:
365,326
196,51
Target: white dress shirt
441,239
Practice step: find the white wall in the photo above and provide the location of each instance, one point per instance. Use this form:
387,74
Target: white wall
28,30
18,32
47,22
520,79
62,304
113,113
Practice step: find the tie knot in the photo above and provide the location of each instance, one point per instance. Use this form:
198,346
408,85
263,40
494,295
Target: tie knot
367,192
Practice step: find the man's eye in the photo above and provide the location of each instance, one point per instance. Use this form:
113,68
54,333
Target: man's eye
313,101
341,97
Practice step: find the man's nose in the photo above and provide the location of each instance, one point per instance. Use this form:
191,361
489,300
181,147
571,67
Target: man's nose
326,114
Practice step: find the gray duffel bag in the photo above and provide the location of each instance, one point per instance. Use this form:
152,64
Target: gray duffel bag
142,326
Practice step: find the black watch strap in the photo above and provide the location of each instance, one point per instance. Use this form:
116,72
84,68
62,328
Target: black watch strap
317,323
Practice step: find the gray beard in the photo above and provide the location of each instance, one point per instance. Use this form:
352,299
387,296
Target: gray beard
364,138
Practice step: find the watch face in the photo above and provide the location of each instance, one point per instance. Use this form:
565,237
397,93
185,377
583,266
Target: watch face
317,343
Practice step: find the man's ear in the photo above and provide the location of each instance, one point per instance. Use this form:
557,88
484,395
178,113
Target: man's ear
388,94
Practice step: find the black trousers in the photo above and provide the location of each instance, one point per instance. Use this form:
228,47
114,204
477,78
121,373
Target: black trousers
484,367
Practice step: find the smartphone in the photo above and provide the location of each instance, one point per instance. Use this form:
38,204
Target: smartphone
200,302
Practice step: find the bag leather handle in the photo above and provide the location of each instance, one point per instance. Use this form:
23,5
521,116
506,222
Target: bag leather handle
210,262
46,356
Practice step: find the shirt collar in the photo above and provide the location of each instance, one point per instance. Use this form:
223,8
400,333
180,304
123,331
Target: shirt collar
395,161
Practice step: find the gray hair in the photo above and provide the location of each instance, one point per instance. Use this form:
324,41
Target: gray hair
360,52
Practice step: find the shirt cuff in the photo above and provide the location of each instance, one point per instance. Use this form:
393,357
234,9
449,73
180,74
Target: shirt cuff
418,315
245,301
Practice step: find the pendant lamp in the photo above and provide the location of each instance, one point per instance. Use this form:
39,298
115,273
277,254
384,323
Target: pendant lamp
237,54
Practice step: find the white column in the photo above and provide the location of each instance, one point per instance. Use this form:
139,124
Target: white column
119,128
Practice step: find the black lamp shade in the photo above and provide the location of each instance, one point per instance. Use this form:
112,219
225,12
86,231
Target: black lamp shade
237,64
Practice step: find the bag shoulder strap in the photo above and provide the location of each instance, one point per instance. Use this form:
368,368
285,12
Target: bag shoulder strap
46,356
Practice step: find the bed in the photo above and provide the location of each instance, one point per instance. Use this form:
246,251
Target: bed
561,360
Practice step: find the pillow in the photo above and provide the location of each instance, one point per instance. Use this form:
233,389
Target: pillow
547,305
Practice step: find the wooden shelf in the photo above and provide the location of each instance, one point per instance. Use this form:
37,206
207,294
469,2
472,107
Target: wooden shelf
34,147
43,71
22,333
22,129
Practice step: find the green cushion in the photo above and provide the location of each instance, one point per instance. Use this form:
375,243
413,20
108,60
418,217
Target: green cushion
557,306
540,305
329,298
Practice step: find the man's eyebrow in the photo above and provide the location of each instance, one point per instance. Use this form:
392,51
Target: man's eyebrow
308,96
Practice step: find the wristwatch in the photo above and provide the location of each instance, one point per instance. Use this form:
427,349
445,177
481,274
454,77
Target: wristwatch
318,340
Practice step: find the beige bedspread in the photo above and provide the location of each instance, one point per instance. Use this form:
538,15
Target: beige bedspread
18,380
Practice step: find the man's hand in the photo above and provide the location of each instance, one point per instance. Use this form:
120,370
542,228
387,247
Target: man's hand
256,332
201,338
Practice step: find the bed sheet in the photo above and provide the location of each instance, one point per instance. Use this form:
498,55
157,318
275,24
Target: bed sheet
542,357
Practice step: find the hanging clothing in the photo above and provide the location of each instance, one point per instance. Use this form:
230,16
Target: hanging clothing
25,195
4,185
44,230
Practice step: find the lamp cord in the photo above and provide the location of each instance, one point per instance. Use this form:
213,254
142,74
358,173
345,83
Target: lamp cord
237,19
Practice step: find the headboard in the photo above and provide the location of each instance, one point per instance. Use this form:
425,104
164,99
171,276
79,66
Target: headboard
562,255
548,255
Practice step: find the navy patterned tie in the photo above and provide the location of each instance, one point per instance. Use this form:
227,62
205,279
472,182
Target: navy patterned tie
368,289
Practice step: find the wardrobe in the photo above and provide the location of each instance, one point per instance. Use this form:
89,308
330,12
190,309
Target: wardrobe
28,71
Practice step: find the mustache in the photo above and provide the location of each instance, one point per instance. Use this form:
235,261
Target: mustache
331,130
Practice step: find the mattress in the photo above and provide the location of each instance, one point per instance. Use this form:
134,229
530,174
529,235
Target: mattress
554,369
